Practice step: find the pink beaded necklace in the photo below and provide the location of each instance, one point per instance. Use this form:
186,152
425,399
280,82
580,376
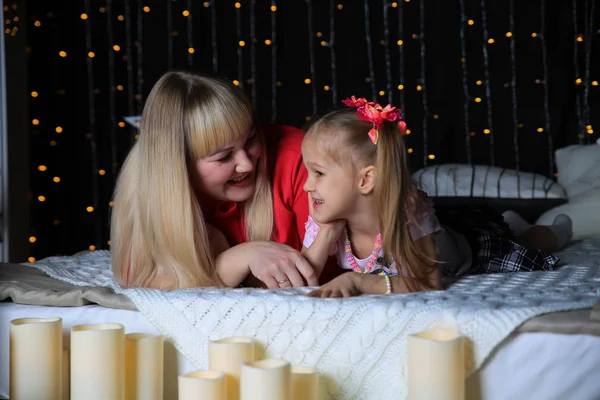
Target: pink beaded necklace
352,260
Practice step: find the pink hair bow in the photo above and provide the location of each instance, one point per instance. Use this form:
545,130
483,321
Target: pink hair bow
374,113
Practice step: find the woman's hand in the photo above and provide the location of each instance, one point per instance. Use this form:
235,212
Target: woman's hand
345,285
279,266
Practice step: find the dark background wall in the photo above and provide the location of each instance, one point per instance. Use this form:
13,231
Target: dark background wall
484,82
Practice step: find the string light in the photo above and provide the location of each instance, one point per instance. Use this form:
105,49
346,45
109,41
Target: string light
479,82
578,81
326,87
102,172
185,13
394,4
35,121
419,88
92,247
83,16
121,124
59,129
89,209
408,131
62,53
268,42
32,239
340,6
540,130
580,38
119,87
471,22
431,156
191,50
206,4
273,8
31,259
237,5
121,18
487,131
91,54
37,24
509,34
477,99
146,9
111,203
491,41
42,168
116,47
534,35
236,82
410,150
381,93
242,43
323,43
594,83
307,81
400,42
56,179
400,87
41,199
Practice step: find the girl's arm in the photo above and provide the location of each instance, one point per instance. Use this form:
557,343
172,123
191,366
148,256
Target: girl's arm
375,284
354,284
318,252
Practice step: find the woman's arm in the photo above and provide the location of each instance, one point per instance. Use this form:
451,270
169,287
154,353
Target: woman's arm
270,262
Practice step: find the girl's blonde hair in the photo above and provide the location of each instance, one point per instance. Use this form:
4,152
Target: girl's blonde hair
158,229
344,137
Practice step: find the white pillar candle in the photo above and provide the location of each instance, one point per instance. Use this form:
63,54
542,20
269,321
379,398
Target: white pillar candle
305,383
436,365
266,380
98,362
203,385
36,358
144,364
227,355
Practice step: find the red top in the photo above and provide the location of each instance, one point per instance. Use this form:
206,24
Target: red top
290,201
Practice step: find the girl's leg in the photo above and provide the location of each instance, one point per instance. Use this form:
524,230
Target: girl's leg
546,238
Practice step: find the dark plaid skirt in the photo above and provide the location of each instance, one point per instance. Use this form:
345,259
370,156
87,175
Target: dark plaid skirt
494,247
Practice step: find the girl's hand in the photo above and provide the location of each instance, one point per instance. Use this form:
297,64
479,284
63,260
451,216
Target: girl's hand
345,285
332,228
279,266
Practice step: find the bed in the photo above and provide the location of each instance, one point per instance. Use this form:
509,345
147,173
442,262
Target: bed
541,354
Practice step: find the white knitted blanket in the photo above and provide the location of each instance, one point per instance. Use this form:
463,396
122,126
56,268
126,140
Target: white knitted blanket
359,344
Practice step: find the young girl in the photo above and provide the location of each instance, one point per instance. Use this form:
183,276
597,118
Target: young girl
366,211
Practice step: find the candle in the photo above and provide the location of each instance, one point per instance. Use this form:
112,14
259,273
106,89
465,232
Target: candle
36,358
205,385
305,383
227,355
97,362
266,380
144,361
436,365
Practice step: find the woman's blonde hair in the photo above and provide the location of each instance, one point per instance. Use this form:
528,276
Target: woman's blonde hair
158,231
394,189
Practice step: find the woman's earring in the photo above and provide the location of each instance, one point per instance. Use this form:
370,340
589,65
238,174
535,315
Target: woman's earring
361,192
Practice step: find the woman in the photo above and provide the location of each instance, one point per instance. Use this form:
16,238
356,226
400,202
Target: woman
206,196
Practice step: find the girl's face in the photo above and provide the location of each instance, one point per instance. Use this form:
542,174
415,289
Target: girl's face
332,188
229,174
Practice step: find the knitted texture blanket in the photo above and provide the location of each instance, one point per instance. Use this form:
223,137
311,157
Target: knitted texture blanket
358,344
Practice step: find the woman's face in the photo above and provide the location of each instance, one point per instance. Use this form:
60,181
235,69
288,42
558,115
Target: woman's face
229,174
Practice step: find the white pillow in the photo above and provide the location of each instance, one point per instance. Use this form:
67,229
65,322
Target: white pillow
578,168
584,211
455,180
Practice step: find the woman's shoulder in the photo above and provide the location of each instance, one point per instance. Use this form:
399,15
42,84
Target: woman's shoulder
283,137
